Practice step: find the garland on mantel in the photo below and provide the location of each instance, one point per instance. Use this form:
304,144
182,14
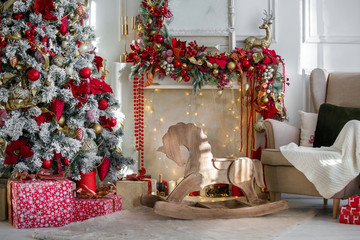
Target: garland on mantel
156,52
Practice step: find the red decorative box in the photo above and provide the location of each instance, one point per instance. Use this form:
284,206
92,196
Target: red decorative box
351,219
354,201
94,207
40,203
347,210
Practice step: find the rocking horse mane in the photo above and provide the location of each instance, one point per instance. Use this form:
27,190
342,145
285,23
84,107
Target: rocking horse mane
181,134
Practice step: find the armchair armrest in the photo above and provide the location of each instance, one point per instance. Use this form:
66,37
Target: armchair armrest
280,133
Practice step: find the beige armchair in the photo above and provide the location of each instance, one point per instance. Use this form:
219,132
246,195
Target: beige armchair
341,89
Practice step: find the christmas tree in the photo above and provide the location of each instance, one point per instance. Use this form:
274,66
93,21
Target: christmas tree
56,110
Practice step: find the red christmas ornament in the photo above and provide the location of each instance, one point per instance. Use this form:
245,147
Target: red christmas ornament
33,75
245,63
177,64
79,134
159,39
183,72
103,169
263,66
85,72
46,164
186,78
112,122
65,161
103,104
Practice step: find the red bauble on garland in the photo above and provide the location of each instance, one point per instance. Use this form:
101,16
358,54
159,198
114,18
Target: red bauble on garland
85,72
186,78
33,75
177,63
159,39
17,16
103,104
46,164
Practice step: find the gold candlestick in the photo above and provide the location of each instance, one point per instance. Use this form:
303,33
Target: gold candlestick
124,33
134,26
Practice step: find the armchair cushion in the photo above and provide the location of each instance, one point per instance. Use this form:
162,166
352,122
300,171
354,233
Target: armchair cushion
331,120
308,126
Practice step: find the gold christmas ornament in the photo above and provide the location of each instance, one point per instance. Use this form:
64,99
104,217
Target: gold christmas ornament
215,71
184,65
179,79
62,121
215,65
59,60
265,100
209,65
152,33
231,66
219,93
97,128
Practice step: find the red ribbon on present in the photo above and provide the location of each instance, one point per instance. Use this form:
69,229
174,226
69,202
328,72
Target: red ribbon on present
85,192
140,177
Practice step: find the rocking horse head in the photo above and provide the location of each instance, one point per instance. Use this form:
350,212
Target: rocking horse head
187,135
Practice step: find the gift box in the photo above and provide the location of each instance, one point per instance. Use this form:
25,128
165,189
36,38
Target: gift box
354,201
350,219
39,203
3,202
131,192
85,208
348,210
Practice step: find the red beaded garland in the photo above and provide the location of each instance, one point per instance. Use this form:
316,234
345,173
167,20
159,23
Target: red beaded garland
138,97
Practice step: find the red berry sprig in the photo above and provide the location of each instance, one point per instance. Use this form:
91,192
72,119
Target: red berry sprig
30,34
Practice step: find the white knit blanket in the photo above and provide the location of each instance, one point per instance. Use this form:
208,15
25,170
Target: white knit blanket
330,169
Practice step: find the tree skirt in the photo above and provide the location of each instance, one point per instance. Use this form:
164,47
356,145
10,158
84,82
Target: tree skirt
143,223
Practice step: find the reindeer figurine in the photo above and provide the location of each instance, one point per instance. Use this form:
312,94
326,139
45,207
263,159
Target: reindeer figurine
253,42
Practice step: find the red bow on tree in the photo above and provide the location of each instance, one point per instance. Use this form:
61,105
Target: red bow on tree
220,60
16,149
99,86
45,7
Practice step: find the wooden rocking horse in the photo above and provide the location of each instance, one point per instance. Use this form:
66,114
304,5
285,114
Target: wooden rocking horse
202,170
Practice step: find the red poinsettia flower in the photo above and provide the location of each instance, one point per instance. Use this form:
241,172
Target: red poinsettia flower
45,7
98,86
44,117
98,62
16,149
178,47
81,91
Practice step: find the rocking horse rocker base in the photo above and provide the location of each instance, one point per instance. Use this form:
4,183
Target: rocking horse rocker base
202,170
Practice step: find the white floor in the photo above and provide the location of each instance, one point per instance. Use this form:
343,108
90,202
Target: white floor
322,226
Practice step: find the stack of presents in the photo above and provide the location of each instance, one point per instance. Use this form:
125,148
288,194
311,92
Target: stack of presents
351,212
51,203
